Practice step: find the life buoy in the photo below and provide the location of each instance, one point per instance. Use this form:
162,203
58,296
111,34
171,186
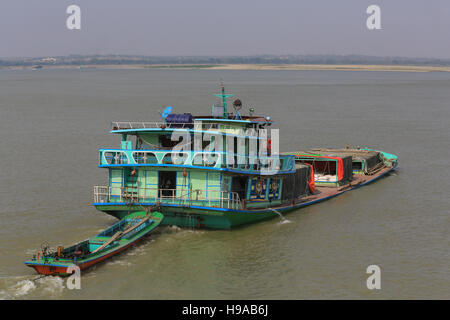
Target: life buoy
269,146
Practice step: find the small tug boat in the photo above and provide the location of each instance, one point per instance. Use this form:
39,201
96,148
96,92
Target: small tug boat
104,245
237,187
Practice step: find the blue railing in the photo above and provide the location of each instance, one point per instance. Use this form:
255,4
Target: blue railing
180,197
203,159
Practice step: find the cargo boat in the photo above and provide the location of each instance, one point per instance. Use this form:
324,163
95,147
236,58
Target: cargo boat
192,191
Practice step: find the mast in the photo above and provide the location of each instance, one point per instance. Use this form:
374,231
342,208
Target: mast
224,100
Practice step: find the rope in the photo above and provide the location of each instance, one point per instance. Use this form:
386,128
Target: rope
40,277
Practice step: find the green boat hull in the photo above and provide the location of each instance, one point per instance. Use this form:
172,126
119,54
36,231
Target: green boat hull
218,218
194,217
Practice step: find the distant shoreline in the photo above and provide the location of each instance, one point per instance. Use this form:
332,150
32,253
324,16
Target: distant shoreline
336,67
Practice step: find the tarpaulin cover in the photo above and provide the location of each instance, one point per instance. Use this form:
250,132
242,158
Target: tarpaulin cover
311,183
370,158
180,120
344,168
296,184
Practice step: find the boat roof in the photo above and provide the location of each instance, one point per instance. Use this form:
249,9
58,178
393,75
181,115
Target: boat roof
133,127
243,119
186,124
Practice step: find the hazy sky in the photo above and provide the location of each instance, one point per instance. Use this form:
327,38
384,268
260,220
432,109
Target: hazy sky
411,28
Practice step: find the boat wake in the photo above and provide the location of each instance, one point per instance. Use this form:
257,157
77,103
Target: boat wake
137,250
52,286
175,229
20,287
121,263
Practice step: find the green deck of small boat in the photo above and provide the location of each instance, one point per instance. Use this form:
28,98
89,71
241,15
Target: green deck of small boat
155,218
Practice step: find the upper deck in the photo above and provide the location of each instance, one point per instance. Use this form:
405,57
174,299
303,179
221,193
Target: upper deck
220,120
279,164
200,124
157,140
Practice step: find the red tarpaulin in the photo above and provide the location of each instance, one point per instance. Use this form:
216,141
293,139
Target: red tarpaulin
311,184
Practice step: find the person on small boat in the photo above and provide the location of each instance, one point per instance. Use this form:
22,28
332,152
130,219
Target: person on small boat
79,252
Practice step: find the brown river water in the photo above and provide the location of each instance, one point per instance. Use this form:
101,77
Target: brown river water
52,122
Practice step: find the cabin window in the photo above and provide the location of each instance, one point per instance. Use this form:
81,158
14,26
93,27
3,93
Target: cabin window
116,184
166,141
167,183
226,182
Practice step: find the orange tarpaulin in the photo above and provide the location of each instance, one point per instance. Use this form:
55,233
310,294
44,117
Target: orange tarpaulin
340,168
311,184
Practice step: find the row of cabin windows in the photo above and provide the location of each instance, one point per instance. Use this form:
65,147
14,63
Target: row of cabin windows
246,188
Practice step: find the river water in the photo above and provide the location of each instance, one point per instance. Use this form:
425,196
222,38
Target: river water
53,121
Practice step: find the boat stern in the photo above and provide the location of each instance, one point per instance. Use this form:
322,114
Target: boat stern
47,268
